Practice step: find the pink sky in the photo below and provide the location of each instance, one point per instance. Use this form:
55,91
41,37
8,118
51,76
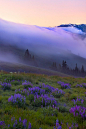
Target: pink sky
44,12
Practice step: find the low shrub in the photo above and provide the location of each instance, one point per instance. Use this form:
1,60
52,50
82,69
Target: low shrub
6,86
17,99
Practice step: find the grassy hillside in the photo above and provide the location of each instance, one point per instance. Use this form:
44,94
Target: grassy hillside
35,101
13,67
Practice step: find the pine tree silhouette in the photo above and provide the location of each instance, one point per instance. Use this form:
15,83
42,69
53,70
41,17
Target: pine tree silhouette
27,54
82,69
63,64
33,57
76,68
55,64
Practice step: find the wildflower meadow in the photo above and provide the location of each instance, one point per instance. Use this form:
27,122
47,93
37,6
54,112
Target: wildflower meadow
35,101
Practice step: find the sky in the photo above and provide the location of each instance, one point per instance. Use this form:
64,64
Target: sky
44,12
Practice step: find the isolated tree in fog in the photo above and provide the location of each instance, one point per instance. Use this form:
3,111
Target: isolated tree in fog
82,69
27,53
33,56
64,64
54,64
76,68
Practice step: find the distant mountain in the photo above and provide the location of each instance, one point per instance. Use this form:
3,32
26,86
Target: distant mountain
81,27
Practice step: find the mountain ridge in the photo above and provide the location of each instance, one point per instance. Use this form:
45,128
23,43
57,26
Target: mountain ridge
78,26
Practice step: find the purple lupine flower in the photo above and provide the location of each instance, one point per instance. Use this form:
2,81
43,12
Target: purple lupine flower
13,118
16,90
78,111
57,123
27,83
54,127
83,85
8,125
6,86
16,98
29,126
24,122
59,127
64,85
82,101
20,119
15,122
2,123
14,125
72,125
76,125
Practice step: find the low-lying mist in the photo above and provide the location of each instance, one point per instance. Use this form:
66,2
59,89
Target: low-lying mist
42,41
8,57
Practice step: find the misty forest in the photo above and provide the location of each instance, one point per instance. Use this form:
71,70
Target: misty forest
42,76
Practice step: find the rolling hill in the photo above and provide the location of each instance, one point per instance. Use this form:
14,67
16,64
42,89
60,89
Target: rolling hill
47,44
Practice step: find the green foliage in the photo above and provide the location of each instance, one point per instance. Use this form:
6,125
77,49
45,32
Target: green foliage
31,98
73,96
0,99
41,116
47,90
57,95
37,102
63,109
26,86
49,111
15,83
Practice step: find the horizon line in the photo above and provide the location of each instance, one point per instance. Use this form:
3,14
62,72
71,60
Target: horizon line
42,26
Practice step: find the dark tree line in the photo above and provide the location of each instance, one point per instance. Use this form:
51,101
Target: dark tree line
54,64
75,71
65,69
62,67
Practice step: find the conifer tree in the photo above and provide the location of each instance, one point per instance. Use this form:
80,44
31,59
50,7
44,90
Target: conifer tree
63,64
82,69
76,68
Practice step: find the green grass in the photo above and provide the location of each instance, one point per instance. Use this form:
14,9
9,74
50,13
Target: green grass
42,117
